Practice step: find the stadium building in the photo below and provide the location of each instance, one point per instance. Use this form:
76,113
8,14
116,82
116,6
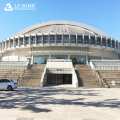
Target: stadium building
60,45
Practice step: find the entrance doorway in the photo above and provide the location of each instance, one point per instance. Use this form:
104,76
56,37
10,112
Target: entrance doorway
59,78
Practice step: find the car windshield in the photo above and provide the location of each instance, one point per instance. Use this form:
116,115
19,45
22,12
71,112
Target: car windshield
11,80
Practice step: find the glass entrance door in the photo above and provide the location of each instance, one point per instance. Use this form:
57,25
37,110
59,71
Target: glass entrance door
58,78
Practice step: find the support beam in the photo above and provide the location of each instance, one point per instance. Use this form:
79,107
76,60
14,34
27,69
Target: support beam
86,56
49,56
102,54
68,56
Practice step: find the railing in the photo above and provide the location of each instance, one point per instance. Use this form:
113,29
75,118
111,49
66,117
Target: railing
20,78
13,63
97,75
43,79
59,60
105,62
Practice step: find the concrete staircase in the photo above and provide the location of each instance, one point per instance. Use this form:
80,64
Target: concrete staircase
108,76
12,74
86,77
32,76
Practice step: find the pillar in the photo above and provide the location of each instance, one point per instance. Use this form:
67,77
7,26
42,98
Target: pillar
101,40
89,39
49,56
69,39
95,39
32,61
83,38
62,39
14,42
68,56
18,41
36,39
102,54
30,39
106,41
76,39
86,56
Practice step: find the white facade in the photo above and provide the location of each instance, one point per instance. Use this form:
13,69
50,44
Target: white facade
64,37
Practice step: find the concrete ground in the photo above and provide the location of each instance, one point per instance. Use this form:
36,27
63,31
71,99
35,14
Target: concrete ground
60,102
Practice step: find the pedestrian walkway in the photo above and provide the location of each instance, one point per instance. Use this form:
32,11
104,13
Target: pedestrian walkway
60,102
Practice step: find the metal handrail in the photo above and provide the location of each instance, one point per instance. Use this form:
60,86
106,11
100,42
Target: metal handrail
19,79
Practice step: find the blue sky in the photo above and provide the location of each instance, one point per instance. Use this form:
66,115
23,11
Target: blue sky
101,14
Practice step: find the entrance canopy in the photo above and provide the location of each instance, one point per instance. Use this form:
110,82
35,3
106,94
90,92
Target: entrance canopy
59,52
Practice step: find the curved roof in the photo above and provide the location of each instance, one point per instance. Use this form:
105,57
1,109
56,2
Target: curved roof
60,26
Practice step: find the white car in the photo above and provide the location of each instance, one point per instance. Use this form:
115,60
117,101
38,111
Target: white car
7,84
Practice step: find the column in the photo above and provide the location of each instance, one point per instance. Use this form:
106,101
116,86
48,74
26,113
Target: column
36,39
115,43
5,44
89,39
83,38
95,39
102,54
32,61
42,39
55,39
101,40
68,56
14,42
86,56
76,39
30,40
18,41
49,38
49,56
69,39
0,46
62,39
24,41
106,41
9,43
111,42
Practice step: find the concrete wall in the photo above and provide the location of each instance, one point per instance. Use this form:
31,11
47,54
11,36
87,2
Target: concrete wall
23,52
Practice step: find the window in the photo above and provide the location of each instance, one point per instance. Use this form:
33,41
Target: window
98,41
108,42
16,42
79,40
116,44
46,39
59,38
92,40
86,40
11,43
113,44
33,40
52,39
21,41
27,40
66,38
103,42
39,39
5,80
72,39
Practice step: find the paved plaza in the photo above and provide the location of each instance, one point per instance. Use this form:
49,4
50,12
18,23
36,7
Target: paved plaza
60,102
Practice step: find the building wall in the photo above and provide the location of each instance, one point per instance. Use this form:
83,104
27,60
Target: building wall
23,52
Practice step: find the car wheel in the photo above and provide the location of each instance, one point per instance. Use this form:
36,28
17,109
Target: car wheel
9,88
